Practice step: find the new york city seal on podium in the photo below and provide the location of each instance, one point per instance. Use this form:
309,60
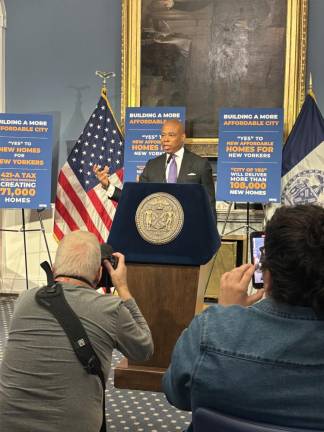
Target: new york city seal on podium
159,218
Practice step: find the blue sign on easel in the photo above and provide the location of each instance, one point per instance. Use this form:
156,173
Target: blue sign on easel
25,160
249,155
142,136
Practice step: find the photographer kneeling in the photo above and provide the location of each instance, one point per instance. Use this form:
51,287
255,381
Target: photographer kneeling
262,361
43,385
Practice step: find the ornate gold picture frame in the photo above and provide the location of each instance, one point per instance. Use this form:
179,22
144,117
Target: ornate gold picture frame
255,57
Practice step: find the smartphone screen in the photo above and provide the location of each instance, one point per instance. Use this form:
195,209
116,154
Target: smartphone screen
257,250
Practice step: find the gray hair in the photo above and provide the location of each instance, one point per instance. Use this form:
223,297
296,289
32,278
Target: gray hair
78,254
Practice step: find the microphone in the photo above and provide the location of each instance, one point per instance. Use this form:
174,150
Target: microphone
169,158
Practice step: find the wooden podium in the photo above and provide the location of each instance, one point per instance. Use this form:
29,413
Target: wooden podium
167,281
169,296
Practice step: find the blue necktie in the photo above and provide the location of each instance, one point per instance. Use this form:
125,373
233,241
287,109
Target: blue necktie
172,175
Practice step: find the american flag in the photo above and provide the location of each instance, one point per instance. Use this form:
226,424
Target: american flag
81,203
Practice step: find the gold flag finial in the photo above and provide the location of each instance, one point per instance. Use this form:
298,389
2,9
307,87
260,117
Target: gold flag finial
310,86
104,76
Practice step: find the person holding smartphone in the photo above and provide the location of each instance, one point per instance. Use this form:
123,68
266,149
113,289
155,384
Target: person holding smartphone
262,360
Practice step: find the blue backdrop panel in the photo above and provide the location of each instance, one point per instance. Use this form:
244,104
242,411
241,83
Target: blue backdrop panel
143,136
249,158
25,160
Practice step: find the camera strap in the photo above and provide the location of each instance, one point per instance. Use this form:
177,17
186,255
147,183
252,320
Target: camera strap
52,298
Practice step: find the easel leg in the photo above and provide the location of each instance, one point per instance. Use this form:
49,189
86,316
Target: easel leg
226,218
24,230
44,235
247,227
25,245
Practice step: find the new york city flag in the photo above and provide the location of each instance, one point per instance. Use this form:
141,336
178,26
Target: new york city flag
303,158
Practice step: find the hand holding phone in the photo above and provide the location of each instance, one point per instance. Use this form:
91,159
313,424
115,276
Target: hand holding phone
234,287
257,254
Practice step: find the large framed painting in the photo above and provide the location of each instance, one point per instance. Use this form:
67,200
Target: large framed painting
208,54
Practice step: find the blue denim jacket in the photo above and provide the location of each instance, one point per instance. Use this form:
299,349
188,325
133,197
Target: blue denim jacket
264,362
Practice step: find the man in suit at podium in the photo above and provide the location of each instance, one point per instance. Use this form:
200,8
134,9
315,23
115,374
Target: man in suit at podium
176,165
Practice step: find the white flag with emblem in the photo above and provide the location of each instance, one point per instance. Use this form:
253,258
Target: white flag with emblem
303,159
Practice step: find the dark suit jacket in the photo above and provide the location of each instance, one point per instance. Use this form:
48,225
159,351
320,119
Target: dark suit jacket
199,169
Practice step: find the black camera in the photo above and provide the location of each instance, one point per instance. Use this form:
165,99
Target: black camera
107,254
112,259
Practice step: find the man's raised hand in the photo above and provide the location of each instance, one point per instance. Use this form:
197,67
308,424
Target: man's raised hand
102,175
